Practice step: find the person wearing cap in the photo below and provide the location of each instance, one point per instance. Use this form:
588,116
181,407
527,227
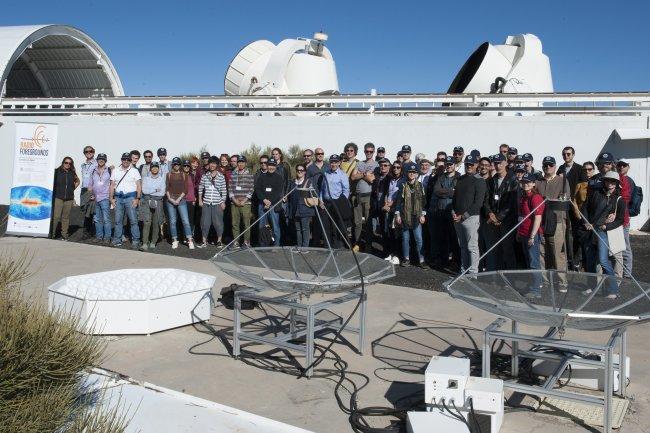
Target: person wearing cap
605,212
176,183
469,196
555,189
269,189
334,198
530,232
99,185
410,214
511,157
125,194
87,205
381,153
362,178
500,211
443,233
577,178
148,159
212,201
628,189
190,194
205,161
151,211
240,192
605,163
527,159
162,161
406,155
459,155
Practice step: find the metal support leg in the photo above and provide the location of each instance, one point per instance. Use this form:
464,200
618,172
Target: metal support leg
292,323
310,340
622,364
362,324
515,353
487,353
609,391
237,328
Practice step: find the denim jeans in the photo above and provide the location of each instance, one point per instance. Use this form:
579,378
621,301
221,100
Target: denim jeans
273,219
122,205
302,231
533,260
406,241
172,209
102,219
605,262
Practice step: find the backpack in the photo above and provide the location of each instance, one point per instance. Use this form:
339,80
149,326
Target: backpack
636,199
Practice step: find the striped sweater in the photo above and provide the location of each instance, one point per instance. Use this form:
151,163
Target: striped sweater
213,190
241,185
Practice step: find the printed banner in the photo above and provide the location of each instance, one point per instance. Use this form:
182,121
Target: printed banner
31,201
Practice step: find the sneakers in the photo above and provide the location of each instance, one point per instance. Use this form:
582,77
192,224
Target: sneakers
389,258
235,246
405,263
119,244
190,244
203,245
174,244
533,295
612,296
219,244
144,246
135,245
245,246
152,246
423,265
395,260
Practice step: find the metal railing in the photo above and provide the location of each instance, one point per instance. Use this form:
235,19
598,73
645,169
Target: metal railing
391,104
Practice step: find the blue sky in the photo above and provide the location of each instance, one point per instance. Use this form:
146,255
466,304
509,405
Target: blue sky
169,48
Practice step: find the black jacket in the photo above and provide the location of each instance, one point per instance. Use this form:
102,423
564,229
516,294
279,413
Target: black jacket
469,195
502,200
576,175
64,184
270,186
599,206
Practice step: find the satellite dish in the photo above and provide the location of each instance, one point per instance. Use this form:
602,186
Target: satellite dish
293,67
517,66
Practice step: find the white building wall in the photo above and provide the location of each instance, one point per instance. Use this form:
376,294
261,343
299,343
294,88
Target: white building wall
539,135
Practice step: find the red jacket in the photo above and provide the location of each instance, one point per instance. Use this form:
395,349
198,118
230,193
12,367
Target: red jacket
626,195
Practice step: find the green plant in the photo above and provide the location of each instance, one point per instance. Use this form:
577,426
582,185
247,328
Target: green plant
43,358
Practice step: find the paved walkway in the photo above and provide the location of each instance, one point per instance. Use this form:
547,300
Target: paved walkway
406,327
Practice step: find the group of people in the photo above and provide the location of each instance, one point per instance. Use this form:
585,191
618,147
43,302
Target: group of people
444,212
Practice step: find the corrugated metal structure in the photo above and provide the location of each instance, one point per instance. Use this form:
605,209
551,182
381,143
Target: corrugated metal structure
54,61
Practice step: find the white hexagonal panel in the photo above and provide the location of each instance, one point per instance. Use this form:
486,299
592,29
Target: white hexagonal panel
133,301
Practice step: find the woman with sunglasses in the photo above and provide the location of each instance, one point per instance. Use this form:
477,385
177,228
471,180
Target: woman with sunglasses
302,206
65,182
176,187
391,239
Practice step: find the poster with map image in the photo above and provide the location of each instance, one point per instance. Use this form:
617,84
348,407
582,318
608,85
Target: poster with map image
31,201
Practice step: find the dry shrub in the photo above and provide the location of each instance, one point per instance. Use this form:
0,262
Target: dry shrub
43,358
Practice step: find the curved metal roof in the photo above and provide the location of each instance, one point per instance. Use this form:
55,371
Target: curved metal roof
54,61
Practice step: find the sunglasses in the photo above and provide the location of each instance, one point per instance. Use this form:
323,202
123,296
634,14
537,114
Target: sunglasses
349,150
548,165
89,151
320,153
67,162
590,169
263,162
148,156
126,159
369,151
300,170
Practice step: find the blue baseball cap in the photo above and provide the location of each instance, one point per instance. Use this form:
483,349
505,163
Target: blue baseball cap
410,167
605,157
527,157
471,159
528,177
498,158
450,160
520,167
548,160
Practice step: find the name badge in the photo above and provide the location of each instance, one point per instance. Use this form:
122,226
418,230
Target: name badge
238,188
496,197
269,189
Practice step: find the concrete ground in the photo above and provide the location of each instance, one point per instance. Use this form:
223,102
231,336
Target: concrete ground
405,327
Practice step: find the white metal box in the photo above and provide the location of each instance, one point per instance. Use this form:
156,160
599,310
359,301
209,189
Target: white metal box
445,378
133,301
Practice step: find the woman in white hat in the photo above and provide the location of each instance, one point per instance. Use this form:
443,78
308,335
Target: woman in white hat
605,211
